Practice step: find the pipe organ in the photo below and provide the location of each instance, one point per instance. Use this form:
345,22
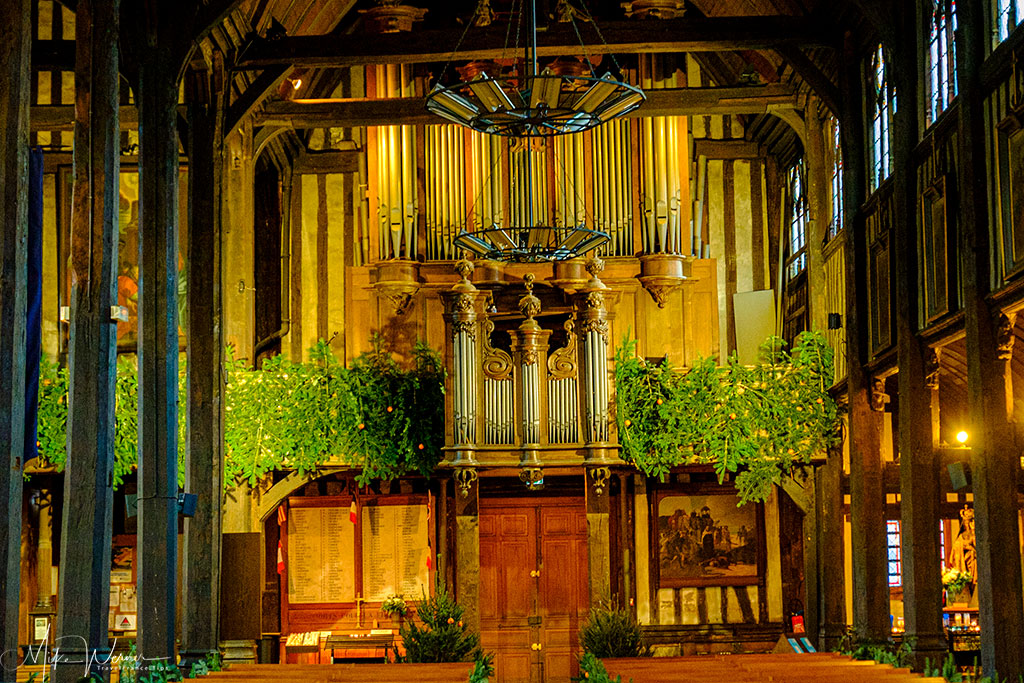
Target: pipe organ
395,148
447,189
530,406
612,186
664,166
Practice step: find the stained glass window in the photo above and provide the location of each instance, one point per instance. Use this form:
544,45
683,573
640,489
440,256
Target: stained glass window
836,224
941,58
883,107
1008,13
797,221
893,553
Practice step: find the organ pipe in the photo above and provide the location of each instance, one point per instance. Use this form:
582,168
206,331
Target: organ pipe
592,333
529,347
396,170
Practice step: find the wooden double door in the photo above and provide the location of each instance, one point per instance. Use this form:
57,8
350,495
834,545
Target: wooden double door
534,592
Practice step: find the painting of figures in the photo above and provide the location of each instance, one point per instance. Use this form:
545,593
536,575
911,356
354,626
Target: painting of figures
706,540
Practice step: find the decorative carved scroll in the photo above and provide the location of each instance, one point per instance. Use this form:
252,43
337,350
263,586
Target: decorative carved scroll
1005,336
931,369
562,362
497,364
878,396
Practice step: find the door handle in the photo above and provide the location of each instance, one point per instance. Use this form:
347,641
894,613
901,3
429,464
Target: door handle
535,647
535,573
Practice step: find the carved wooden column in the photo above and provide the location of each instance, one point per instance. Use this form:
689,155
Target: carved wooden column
467,545
15,50
204,439
88,496
158,337
832,582
530,349
592,330
919,473
867,506
995,457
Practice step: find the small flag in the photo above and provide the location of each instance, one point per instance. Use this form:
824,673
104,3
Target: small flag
282,516
353,512
280,558
430,559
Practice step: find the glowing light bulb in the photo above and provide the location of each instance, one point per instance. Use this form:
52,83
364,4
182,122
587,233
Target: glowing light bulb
961,436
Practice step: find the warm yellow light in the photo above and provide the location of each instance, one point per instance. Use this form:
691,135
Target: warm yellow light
297,83
961,436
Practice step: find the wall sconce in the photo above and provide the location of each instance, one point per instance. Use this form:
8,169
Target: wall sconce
835,321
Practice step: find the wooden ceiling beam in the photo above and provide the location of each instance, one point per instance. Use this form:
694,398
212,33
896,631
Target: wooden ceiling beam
411,110
646,36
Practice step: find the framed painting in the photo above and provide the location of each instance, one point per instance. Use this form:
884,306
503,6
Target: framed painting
706,540
128,251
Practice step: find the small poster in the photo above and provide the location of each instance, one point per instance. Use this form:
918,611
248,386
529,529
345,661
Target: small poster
128,602
125,622
121,564
40,628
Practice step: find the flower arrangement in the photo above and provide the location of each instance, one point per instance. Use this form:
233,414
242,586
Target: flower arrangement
955,580
394,605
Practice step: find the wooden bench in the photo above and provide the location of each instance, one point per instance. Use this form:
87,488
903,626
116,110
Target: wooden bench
457,672
781,668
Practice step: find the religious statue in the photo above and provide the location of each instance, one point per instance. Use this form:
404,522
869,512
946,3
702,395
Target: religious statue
962,556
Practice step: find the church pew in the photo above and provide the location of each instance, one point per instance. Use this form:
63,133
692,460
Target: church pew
819,667
345,673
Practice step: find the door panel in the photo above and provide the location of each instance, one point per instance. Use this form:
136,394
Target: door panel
517,537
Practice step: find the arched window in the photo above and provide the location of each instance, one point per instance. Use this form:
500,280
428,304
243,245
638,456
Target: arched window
941,58
883,105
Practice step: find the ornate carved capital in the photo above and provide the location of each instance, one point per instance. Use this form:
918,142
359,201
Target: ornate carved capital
599,325
1005,336
529,305
533,477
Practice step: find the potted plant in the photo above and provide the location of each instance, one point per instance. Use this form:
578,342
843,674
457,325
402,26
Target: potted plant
395,607
956,583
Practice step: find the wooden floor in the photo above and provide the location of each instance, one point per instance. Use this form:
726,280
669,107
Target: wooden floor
774,668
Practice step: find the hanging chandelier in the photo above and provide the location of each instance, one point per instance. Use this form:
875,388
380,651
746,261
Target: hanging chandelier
528,102
524,102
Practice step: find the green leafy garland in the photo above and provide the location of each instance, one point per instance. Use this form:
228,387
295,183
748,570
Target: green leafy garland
53,417
759,421
374,415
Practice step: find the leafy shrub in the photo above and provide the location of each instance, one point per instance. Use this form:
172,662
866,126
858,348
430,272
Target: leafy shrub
443,637
612,633
592,670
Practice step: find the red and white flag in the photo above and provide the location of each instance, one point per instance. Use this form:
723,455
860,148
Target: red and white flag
353,512
280,558
282,516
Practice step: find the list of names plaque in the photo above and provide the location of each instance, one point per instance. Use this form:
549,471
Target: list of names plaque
394,551
321,551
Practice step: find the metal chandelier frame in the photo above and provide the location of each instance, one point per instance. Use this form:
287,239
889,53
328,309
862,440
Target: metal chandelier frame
537,105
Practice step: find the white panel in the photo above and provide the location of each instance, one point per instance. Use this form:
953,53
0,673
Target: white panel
755,322
643,597
713,597
688,606
49,311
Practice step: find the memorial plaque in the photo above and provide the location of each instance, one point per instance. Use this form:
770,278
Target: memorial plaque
321,555
395,551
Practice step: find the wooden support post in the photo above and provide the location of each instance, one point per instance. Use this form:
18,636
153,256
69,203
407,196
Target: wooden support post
919,471
15,50
467,545
832,582
88,494
867,499
811,532
598,479
201,549
158,347
995,458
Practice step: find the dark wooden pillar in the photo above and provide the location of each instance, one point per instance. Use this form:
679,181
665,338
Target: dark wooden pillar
467,545
599,566
158,342
201,549
995,458
811,532
15,49
832,581
919,473
867,498
88,496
